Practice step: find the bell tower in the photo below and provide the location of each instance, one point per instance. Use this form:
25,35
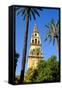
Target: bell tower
35,51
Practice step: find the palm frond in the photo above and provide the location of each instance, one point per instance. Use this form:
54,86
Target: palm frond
28,11
47,26
19,11
24,16
57,25
36,12
38,8
53,25
30,16
23,12
52,22
51,28
45,39
33,14
53,41
50,39
47,36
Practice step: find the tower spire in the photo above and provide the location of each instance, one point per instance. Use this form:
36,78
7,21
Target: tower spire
35,28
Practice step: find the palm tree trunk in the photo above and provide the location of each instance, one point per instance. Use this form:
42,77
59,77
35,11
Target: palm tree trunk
24,51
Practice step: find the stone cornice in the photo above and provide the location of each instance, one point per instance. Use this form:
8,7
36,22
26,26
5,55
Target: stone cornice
35,56
35,44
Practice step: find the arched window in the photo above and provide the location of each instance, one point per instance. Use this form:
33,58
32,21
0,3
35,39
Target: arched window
32,41
35,34
35,41
37,53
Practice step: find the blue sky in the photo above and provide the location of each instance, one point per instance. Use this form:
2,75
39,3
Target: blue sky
48,49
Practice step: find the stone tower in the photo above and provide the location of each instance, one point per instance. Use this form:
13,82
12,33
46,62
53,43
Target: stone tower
35,52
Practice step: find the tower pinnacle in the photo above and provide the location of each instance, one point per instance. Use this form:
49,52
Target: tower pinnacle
35,28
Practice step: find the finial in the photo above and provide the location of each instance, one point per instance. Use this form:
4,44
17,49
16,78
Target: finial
35,24
35,28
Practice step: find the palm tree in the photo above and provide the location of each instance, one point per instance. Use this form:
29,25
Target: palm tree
53,33
27,13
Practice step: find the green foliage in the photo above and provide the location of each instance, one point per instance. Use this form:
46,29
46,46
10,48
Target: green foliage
30,75
46,71
54,67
